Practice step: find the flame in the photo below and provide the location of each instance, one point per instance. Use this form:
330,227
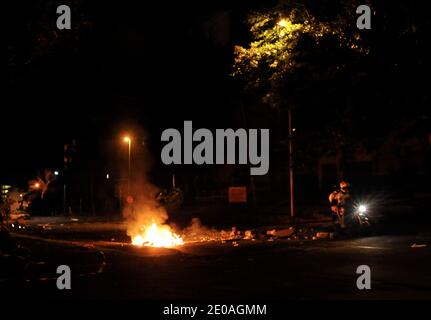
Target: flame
157,236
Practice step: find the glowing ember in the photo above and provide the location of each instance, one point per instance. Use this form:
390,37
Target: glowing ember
157,236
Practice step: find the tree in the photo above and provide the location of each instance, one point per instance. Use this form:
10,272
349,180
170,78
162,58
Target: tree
292,53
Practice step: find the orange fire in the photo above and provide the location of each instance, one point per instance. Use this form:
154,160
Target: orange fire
157,236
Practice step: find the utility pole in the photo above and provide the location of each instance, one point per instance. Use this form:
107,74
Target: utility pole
64,197
292,211
129,164
252,184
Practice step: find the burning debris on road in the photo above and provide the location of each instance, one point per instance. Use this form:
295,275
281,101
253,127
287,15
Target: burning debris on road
157,236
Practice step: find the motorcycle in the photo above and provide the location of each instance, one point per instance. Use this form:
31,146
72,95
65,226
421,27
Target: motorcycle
362,220
356,220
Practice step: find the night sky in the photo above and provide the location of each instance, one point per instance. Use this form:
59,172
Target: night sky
129,65
152,65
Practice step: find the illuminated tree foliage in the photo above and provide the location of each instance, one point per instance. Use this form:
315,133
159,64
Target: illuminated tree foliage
347,87
33,40
286,41
305,59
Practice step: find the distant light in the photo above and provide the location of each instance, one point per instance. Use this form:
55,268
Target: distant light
56,173
107,176
362,209
127,139
288,26
294,129
21,195
282,23
37,185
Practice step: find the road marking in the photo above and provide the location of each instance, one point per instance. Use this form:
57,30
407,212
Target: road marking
370,247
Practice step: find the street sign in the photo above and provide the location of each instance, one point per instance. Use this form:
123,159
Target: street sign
237,194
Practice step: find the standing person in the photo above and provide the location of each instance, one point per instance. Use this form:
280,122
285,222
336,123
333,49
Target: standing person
340,200
333,200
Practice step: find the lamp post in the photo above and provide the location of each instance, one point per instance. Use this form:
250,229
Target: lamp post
129,142
292,207
284,23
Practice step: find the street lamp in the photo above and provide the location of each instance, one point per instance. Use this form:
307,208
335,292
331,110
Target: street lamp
129,142
291,130
282,23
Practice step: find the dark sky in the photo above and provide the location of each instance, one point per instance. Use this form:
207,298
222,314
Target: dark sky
133,64
129,63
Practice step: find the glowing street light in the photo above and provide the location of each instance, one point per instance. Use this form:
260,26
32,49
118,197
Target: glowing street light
56,173
288,26
282,23
37,185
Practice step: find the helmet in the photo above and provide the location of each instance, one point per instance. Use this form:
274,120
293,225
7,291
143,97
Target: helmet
344,185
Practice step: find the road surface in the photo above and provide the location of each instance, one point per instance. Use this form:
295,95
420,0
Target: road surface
260,269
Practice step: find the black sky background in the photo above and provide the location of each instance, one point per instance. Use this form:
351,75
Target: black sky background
131,64
153,65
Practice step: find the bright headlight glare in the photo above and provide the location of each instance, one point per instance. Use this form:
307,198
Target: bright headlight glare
362,209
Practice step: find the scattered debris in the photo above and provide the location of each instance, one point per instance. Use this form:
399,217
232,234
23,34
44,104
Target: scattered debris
414,245
44,226
196,232
282,233
322,235
234,232
271,232
249,235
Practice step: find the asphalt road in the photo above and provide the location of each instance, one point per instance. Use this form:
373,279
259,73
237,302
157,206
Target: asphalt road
281,269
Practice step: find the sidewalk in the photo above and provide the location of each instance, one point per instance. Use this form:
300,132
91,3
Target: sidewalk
72,224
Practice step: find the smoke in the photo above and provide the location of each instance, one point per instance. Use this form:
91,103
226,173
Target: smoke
144,210
140,208
197,232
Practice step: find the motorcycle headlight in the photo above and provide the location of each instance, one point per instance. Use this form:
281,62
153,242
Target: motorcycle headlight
362,209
